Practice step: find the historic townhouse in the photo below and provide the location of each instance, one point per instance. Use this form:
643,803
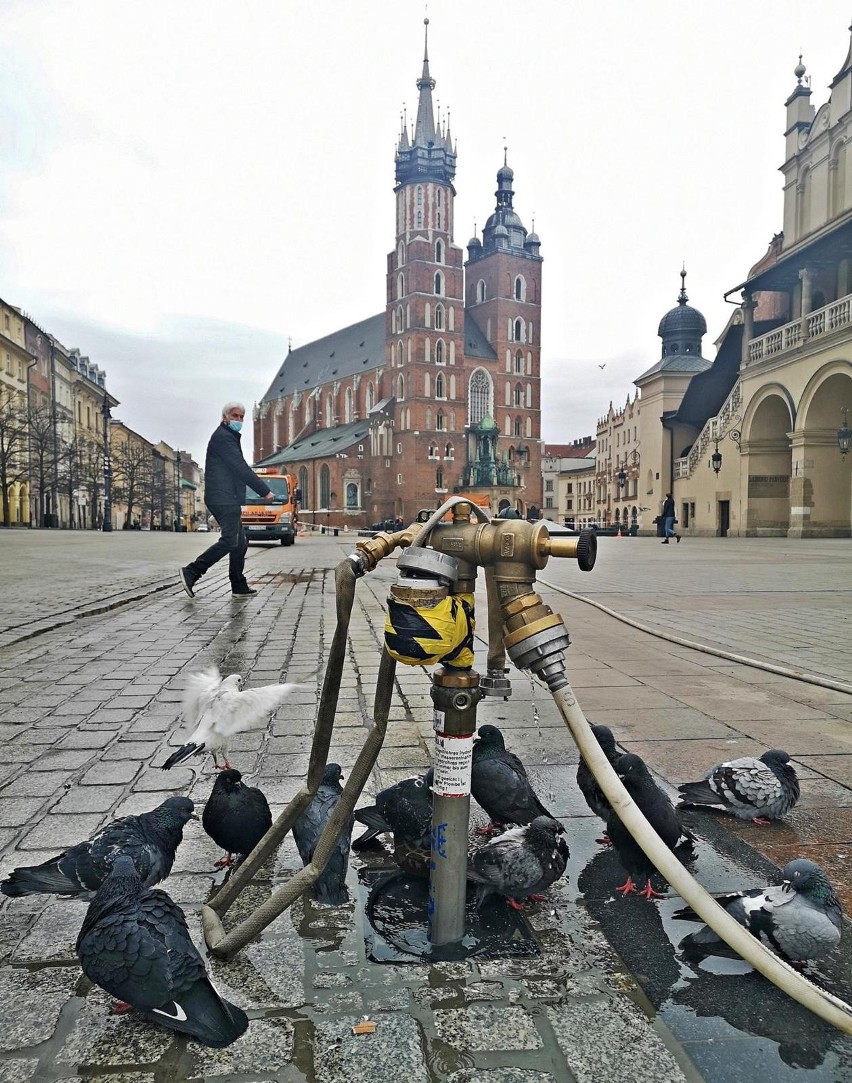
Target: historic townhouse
440,393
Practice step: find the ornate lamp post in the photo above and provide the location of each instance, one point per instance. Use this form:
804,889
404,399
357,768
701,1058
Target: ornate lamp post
843,433
735,435
107,523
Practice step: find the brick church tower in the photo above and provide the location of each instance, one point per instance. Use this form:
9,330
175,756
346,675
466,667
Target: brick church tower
440,392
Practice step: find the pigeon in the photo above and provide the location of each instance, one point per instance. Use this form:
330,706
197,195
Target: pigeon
217,709
236,816
149,840
595,797
758,790
404,810
135,944
658,811
331,886
521,863
499,783
800,920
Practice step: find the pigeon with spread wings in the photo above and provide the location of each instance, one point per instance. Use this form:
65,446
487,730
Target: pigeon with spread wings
218,708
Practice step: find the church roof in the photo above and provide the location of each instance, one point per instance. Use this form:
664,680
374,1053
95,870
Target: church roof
357,348
475,343
321,444
677,362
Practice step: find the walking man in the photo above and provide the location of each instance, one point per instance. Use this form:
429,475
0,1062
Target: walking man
669,520
226,475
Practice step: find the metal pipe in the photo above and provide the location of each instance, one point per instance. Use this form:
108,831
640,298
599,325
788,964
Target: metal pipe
455,694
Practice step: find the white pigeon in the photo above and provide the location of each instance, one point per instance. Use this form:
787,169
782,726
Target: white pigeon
217,708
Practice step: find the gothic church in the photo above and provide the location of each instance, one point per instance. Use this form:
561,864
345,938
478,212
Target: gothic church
441,392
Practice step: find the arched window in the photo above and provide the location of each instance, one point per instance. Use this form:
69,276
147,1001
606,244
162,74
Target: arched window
519,361
427,315
452,386
371,397
439,352
400,285
399,320
439,284
508,394
439,421
528,427
439,386
419,219
511,453
520,289
439,478
400,354
348,405
480,290
419,196
427,384
451,424
351,494
439,250
518,331
479,396
329,411
303,485
439,317
325,486
529,396
519,395
518,427
400,388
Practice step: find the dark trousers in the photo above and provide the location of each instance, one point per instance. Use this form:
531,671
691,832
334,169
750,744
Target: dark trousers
232,543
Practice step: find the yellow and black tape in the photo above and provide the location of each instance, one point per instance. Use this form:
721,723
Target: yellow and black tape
427,635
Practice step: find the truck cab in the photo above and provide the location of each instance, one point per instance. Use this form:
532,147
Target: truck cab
276,519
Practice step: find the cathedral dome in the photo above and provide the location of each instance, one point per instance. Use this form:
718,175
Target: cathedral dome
683,326
505,172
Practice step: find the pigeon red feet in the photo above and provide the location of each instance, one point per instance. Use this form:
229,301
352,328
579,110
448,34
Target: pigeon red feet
761,821
536,898
628,888
516,905
120,1007
649,892
491,829
225,862
604,840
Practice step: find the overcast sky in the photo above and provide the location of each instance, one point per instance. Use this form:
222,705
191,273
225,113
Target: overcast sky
185,186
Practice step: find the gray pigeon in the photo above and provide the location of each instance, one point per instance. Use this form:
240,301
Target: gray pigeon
150,840
800,920
135,944
331,886
236,816
499,783
596,799
658,811
521,863
759,790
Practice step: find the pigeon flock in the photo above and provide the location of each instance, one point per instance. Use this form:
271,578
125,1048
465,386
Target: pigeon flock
134,942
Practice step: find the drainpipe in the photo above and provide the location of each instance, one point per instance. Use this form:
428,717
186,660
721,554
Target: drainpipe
807,291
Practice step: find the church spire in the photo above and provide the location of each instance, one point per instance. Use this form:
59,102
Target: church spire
424,127
430,155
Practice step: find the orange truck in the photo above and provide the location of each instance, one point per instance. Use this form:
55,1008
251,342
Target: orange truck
277,519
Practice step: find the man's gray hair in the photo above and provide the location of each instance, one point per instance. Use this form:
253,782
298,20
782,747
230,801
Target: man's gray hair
226,409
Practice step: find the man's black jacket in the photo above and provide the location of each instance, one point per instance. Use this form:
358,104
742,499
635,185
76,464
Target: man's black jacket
226,473
668,509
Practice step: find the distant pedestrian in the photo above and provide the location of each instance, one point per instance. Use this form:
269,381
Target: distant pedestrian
668,516
226,475
506,511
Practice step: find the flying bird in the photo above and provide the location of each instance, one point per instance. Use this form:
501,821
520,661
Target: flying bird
603,366
149,840
521,863
658,811
403,810
751,789
331,886
499,783
217,708
596,799
135,944
800,920
236,816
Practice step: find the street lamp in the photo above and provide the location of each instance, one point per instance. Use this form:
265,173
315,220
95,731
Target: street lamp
177,493
107,523
735,435
621,478
843,433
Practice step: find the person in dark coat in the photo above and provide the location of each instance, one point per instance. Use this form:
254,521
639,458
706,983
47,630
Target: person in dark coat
668,515
506,511
226,475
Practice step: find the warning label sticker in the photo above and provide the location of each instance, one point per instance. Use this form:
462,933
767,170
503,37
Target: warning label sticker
453,758
438,720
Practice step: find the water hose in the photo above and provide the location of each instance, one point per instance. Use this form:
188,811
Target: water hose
830,1008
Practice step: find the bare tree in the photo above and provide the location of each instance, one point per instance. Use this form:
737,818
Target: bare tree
41,448
14,463
90,473
131,472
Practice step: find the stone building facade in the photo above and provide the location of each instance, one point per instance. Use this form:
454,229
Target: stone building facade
440,393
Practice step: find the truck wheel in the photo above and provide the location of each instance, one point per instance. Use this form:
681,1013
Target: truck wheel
288,540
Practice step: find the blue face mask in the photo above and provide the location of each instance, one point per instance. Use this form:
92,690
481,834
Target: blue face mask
235,425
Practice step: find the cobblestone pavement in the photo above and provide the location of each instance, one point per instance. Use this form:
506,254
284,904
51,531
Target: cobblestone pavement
87,713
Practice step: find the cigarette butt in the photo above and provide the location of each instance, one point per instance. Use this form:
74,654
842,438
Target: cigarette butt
367,1027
